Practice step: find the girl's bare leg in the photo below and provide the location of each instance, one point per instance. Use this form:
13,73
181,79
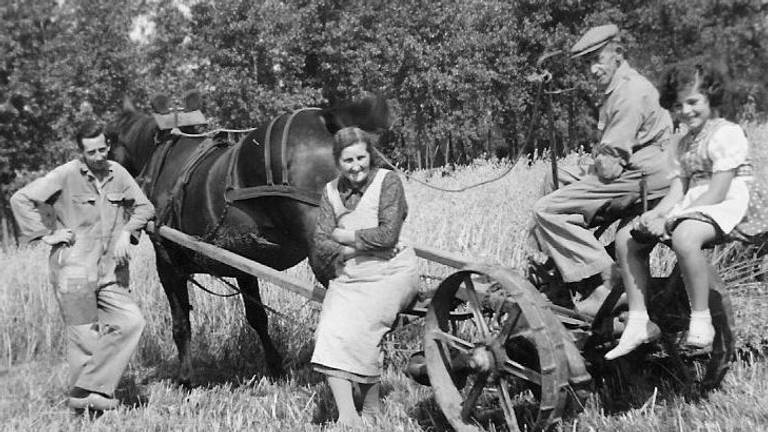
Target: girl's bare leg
632,258
688,240
371,400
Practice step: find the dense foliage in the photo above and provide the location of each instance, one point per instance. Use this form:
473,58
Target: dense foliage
454,71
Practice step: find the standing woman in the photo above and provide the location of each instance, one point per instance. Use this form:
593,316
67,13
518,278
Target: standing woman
708,197
373,277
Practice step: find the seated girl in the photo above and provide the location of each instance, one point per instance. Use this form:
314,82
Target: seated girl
373,277
708,197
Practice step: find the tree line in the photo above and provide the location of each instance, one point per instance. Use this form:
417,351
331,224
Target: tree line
456,72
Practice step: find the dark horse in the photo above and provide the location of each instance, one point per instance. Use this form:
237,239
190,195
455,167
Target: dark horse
257,198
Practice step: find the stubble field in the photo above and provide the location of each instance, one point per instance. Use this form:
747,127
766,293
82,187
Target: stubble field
230,391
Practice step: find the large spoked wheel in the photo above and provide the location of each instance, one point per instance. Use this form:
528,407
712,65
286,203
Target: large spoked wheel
506,364
703,370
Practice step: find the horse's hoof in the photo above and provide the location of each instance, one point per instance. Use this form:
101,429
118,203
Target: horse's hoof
184,383
275,370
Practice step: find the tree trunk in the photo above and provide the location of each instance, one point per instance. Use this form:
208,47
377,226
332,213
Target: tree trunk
4,231
448,150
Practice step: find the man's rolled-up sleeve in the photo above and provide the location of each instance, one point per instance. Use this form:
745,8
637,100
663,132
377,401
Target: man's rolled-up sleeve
24,204
142,210
620,132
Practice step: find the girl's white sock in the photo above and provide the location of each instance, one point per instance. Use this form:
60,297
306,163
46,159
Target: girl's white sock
701,332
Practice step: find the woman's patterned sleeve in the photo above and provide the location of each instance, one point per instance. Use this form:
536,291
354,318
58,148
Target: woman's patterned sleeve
325,256
392,212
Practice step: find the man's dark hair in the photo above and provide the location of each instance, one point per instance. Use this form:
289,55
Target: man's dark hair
89,128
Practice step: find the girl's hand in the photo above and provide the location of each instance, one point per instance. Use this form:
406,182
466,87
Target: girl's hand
656,227
652,222
647,218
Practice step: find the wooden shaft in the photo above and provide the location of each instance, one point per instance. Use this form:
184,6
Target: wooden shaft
442,257
300,287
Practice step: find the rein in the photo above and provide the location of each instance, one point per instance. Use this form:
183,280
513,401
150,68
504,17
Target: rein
506,172
177,131
456,190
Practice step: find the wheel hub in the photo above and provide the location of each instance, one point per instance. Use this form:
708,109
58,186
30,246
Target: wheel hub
482,359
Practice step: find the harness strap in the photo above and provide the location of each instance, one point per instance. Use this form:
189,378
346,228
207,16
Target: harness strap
302,195
151,170
284,141
234,192
175,199
268,151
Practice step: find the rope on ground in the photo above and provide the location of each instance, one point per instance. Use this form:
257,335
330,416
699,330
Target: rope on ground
177,131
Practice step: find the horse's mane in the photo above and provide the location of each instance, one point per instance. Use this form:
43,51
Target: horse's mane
133,127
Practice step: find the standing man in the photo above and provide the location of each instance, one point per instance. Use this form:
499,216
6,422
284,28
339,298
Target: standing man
633,129
98,206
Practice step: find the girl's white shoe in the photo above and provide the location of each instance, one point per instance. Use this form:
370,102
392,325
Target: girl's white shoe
701,332
639,330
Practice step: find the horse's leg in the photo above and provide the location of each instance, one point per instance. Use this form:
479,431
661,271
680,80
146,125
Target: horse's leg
257,318
175,286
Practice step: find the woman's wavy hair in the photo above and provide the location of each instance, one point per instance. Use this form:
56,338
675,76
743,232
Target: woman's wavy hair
708,79
352,135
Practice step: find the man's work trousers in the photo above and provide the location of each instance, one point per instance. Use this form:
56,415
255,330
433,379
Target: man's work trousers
98,353
562,217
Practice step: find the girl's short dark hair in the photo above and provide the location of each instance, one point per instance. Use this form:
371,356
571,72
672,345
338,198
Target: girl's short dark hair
707,79
353,135
89,128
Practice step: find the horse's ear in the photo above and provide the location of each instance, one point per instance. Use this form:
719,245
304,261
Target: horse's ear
159,104
193,101
380,114
128,105
18,102
331,121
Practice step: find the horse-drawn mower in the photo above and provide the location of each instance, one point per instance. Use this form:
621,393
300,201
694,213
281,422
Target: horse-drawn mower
495,350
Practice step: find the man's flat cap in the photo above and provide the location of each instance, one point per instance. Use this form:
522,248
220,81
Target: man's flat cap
594,39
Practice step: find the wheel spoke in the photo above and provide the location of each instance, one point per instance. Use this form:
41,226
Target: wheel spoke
509,325
453,341
474,303
506,405
514,368
468,406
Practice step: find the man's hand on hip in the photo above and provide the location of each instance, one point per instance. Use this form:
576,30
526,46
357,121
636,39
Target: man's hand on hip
64,235
123,248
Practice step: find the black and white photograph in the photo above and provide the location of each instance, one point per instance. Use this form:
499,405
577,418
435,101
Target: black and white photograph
401,215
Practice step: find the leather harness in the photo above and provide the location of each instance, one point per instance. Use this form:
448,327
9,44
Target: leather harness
234,191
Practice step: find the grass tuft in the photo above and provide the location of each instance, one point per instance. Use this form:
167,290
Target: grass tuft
230,391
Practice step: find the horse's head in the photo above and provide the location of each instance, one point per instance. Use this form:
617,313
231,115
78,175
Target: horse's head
131,136
370,113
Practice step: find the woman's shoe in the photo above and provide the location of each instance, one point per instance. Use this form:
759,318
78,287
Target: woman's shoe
637,332
94,402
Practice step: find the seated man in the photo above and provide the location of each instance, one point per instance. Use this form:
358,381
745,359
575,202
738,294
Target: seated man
633,128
